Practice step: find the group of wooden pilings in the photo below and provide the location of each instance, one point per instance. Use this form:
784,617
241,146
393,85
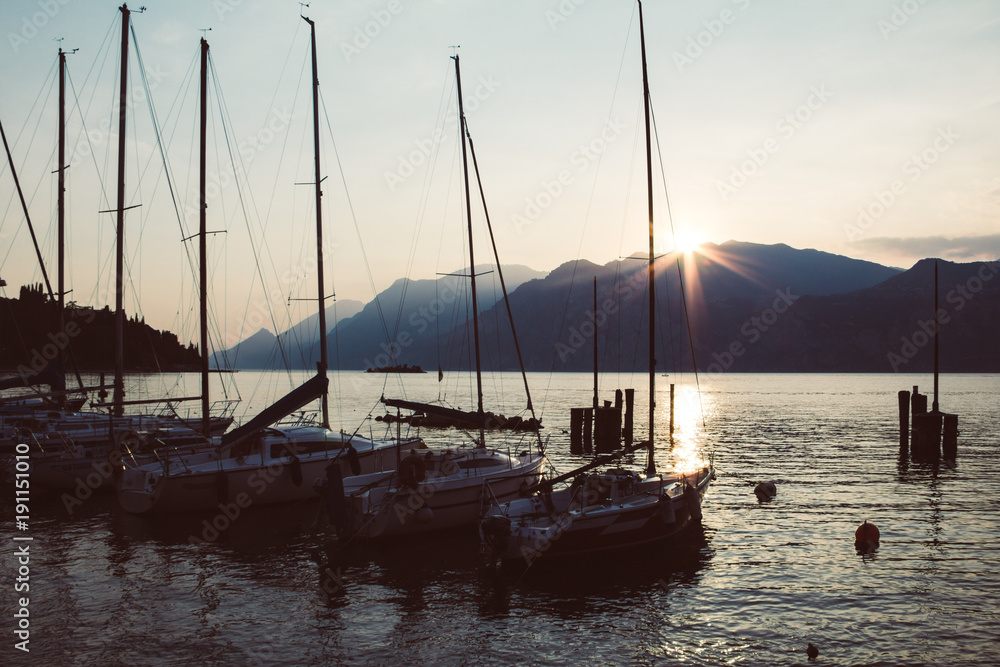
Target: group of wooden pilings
931,436
603,429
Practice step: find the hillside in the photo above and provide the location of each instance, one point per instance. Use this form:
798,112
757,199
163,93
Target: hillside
30,337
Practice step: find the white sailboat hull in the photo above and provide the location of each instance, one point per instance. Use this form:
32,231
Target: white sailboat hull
440,502
257,479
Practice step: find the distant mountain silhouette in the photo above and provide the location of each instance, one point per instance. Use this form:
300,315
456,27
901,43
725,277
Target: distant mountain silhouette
725,285
30,338
753,308
888,327
300,342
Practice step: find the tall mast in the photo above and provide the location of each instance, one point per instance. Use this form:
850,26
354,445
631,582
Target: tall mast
319,230
119,392
61,190
61,208
202,244
472,258
651,463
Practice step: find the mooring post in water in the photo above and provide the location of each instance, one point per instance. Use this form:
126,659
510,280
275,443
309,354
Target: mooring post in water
607,429
588,432
671,410
918,403
576,430
926,435
629,408
950,442
904,422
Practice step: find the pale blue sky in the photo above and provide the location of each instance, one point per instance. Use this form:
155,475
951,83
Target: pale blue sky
778,121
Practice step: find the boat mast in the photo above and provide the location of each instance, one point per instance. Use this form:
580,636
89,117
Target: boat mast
651,463
202,244
319,230
472,258
118,408
61,206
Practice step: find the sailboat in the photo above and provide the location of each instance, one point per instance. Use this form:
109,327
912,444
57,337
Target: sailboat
438,490
603,511
68,447
259,461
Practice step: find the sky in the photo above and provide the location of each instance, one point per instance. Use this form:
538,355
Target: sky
865,128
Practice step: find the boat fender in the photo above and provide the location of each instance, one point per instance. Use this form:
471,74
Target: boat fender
222,487
295,469
411,471
496,532
353,460
866,537
765,491
693,501
424,515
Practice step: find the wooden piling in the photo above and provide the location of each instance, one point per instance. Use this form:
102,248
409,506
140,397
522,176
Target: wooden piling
588,433
918,408
607,430
576,430
629,409
904,422
618,399
949,444
926,436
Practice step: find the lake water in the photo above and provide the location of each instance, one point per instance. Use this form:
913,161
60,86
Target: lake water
752,586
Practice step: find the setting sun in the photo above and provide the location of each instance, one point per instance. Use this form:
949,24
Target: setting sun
686,240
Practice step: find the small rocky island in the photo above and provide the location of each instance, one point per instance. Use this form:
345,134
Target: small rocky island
404,368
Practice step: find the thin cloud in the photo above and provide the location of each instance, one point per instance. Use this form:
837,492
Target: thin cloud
961,247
